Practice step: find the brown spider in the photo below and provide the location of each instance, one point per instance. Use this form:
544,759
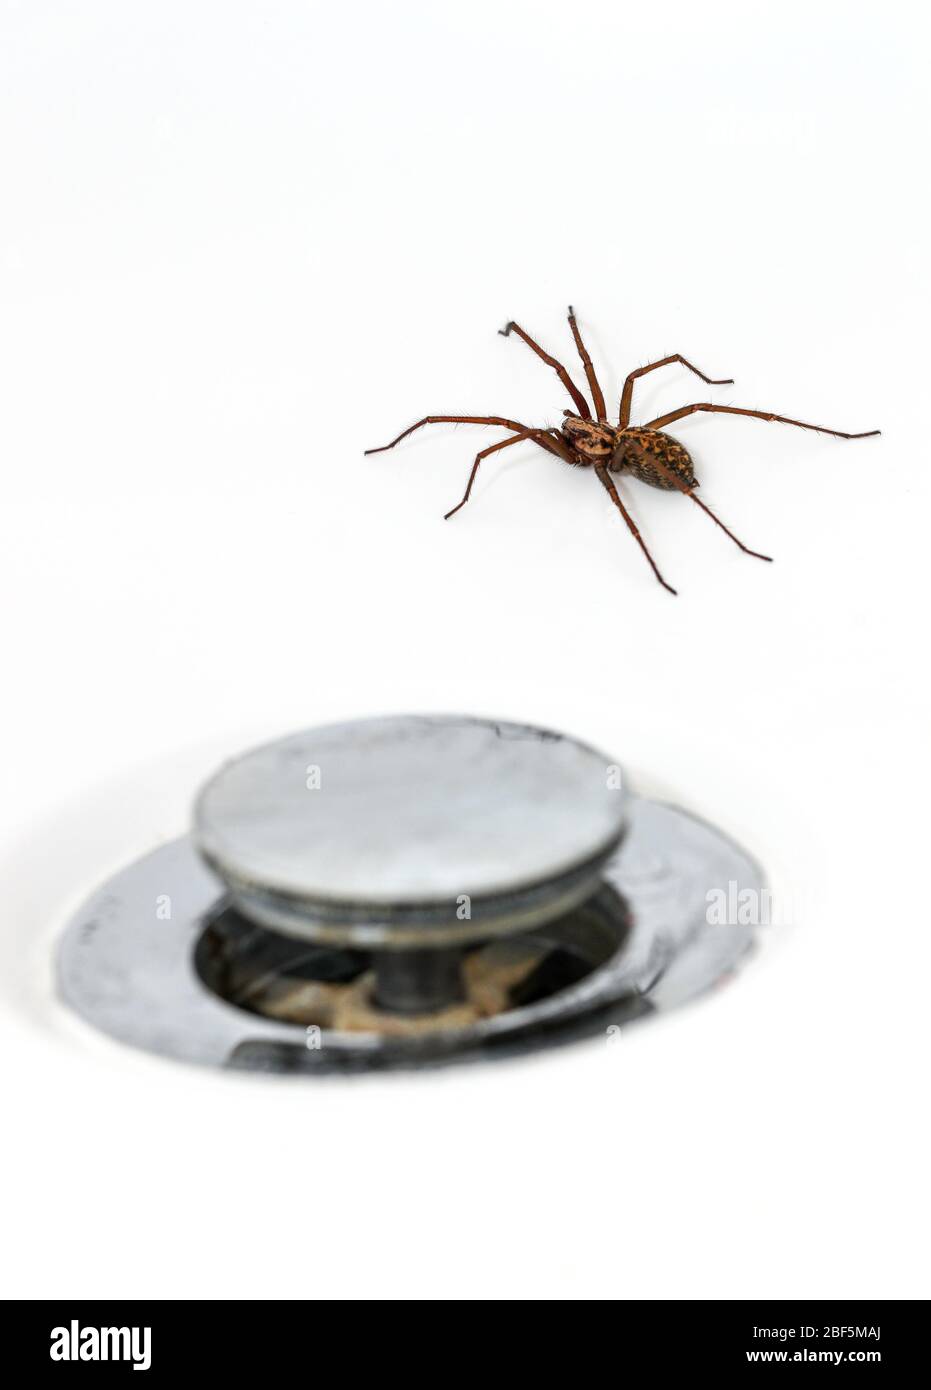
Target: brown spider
590,441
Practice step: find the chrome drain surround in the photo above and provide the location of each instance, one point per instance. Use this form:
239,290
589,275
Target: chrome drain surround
133,974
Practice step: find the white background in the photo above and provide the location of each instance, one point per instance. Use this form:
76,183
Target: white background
242,242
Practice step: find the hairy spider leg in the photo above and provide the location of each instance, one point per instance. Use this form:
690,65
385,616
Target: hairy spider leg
612,492
627,394
581,403
538,436
684,487
718,522
451,420
664,420
597,395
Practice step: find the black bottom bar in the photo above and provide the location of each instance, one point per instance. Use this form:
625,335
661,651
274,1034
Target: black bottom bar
269,1340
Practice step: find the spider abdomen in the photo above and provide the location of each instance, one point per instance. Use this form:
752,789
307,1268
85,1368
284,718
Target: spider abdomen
652,456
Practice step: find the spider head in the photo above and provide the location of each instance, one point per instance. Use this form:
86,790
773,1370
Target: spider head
592,440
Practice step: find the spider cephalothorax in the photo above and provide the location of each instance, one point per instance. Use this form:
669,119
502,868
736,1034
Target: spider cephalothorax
588,440
592,441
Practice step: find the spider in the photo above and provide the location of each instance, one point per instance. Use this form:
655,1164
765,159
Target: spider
589,440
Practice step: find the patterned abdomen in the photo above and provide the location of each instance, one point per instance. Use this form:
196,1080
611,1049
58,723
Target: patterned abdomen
652,456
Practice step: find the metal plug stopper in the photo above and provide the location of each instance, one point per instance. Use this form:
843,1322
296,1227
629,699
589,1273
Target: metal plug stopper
412,838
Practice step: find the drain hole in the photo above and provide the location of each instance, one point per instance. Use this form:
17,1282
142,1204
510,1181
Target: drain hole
557,970
282,978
